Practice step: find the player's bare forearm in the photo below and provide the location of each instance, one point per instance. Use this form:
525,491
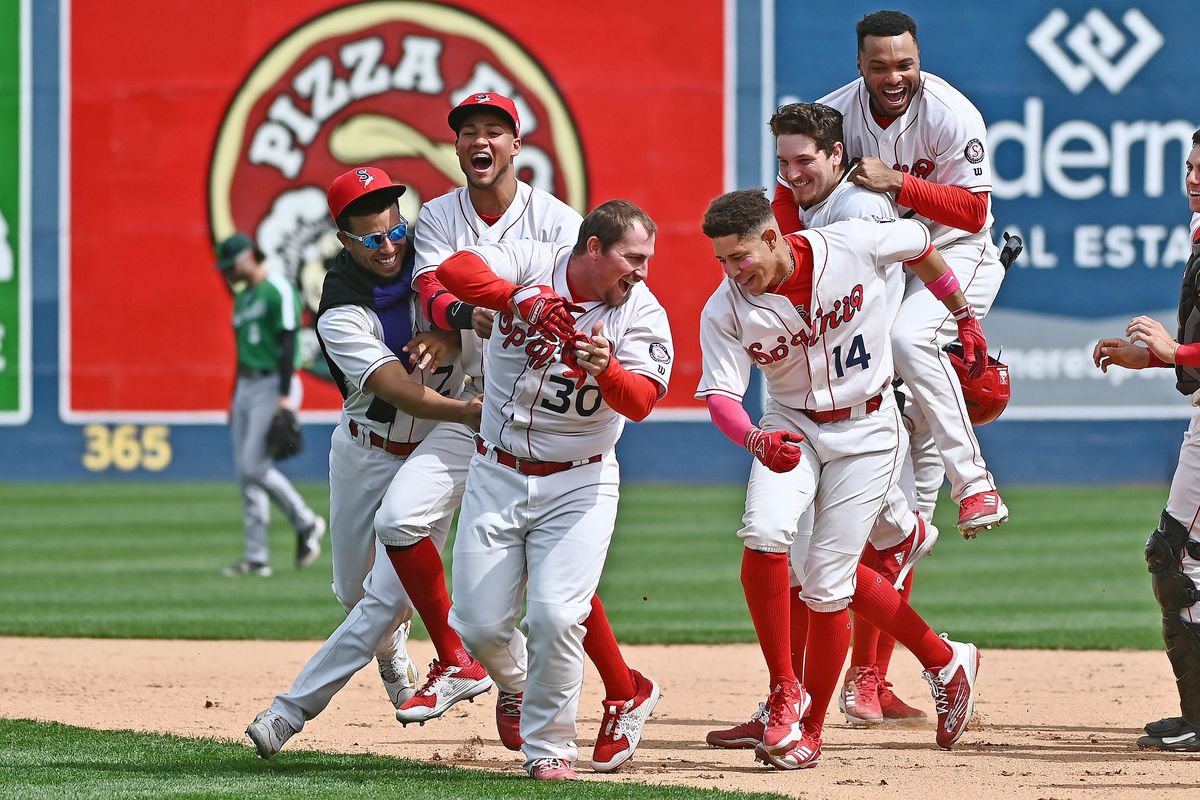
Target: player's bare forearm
392,383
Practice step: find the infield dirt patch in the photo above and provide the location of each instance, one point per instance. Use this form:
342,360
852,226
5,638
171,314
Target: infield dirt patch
1049,724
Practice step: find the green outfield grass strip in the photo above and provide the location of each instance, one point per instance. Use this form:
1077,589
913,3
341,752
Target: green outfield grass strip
142,560
49,761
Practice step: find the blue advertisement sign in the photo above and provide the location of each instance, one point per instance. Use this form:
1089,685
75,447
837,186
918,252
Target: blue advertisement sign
1090,110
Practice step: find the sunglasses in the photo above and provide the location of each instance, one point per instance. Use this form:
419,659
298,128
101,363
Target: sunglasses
373,241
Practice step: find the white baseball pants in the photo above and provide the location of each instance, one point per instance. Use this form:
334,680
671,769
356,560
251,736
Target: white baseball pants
549,534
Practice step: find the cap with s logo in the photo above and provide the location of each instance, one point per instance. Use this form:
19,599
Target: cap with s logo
360,182
485,101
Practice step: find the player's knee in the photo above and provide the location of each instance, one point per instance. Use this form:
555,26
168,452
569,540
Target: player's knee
553,621
480,637
399,531
765,537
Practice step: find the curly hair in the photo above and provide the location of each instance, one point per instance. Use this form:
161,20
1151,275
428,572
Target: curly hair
885,23
742,214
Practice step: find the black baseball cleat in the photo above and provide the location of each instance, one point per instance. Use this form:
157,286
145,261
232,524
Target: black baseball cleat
1174,734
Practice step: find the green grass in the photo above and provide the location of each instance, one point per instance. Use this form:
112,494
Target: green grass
51,761
143,560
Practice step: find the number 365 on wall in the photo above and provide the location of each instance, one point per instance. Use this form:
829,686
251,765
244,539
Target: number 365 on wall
126,447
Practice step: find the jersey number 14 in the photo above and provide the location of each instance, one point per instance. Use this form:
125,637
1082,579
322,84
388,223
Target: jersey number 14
856,356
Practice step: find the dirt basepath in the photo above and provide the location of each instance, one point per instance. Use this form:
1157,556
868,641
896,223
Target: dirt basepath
1048,724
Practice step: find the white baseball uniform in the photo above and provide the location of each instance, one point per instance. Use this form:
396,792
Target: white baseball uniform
364,480
837,357
549,532
849,201
941,138
420,493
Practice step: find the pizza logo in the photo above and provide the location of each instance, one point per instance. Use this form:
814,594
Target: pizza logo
974,151
372,84
659,352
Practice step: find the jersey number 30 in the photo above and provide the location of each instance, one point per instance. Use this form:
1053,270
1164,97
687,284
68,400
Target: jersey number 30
856,356
587,399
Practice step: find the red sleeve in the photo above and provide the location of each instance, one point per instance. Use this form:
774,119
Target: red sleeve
435,300
787,213
1188,355
730,417
469,278
628,393
949,205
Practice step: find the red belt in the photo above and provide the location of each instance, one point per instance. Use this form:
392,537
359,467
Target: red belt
531,466
395,448
843,414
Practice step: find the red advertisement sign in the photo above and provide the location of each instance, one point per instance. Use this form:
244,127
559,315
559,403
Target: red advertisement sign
240,115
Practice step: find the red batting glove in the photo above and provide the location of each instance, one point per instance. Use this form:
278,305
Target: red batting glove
574,371
974,345
546,311
779,451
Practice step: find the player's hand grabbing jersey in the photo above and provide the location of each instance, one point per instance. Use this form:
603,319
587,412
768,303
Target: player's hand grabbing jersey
531,409
449,223
835,355
353,338
941,138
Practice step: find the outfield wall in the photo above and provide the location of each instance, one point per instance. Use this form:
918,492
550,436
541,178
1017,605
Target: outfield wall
140,141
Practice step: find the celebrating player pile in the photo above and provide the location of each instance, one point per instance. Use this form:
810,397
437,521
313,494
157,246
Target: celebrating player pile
811,311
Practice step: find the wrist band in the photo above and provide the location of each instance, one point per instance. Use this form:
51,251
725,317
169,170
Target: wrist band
966,312
458,314
944,285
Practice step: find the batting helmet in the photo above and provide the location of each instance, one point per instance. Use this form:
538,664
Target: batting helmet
986,396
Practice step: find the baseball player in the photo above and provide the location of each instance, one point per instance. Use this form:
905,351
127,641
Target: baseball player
367,316
266,311
496,207
1173,550
924,143
812,311
541,496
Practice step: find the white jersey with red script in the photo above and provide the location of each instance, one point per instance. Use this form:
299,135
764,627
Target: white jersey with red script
834,356
530,408
450,223
941,137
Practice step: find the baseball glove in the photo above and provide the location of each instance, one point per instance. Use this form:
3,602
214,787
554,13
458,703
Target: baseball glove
284,438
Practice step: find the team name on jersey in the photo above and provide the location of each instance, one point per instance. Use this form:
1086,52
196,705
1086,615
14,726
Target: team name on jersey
843,311
539,350
921,168
255,310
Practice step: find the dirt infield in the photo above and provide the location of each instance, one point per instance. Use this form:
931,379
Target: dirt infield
1048,724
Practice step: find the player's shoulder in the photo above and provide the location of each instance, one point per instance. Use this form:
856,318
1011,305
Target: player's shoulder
724,298
544,201
278,284
440,207
849,200
843,97
941,100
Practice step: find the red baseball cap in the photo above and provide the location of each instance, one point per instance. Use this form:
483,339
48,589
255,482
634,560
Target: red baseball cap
360,182
490,100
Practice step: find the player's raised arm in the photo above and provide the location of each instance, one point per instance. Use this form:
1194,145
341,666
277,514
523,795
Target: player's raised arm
469,277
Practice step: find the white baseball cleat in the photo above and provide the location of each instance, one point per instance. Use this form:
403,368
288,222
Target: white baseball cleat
399,673
308,544
269,732
244,567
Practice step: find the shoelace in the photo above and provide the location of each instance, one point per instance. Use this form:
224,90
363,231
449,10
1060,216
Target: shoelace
867,681
280,727
776,704
941,702
437,672
509,704
885,687
389,671
760,715
552,763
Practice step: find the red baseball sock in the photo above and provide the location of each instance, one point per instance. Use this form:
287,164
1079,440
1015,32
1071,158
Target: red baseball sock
601,647
765,583
887,644
420,570
799,631
878,601
866,635
828,641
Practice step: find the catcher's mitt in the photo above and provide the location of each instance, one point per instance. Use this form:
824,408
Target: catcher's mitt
284,439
